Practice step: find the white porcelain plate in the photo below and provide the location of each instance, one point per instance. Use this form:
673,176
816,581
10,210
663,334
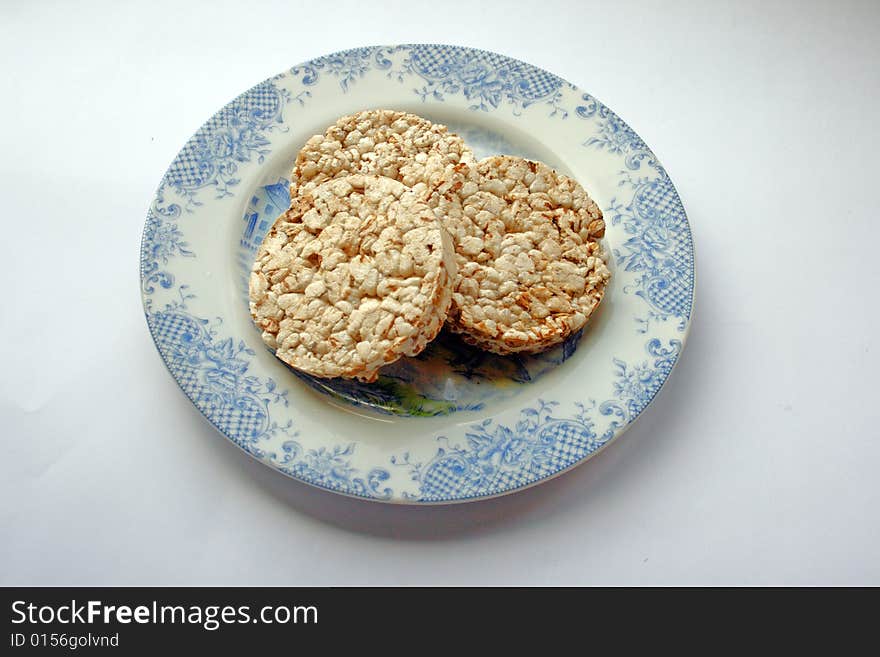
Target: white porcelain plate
454,424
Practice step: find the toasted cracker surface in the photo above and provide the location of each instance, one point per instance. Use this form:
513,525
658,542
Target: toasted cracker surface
531,268
387,143
357,273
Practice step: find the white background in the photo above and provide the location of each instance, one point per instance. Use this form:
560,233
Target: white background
758,463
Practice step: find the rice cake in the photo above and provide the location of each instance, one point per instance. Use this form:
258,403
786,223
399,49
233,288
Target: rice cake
398,145
357,273
531,269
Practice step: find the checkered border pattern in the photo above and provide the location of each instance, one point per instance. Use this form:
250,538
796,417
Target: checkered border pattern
257,108
567,441
243,421
260,104
445,479
434,62
172,326
663,200
188,378
540,84
189,170
570,442
430,61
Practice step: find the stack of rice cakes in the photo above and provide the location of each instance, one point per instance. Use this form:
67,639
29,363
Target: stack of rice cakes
394,229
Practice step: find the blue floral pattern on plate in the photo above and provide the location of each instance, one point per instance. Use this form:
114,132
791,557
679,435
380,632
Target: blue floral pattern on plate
501,449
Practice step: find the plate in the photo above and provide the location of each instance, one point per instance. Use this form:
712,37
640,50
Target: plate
454,424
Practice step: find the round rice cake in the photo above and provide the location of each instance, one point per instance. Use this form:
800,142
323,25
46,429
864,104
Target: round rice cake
398,145
531,269
357,273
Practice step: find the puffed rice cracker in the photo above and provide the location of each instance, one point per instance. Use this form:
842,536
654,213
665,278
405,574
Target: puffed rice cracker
387,143
357,273
531,269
